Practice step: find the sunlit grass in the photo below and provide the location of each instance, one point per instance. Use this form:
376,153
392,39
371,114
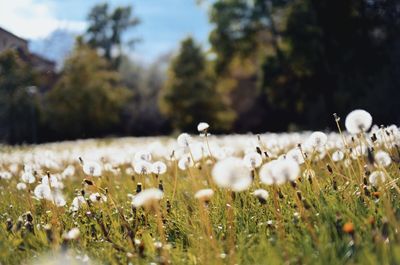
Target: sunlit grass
331,213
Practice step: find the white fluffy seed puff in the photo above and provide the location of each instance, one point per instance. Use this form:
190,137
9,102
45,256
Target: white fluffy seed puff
358,121
279,171
232,173
204,194
147,197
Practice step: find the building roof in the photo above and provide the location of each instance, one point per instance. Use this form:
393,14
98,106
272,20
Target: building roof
12,34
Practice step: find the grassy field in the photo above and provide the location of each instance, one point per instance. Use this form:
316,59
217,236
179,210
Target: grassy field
300,198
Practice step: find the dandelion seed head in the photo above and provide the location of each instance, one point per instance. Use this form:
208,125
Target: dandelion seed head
279,171
92,168
72,234
147,197
77,203
142,167
261,194
97,197
28,177
21,186
337,156
185,162
184,140
376,178
317,140
204,194
252,160
5,175
159,168
43,191
358,121
232,173
202,127
382,158
143,156
296,155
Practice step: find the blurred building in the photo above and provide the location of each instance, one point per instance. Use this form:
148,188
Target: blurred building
10,41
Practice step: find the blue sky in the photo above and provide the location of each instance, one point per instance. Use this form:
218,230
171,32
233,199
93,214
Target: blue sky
163,22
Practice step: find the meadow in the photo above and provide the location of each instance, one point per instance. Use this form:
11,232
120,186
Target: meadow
288,198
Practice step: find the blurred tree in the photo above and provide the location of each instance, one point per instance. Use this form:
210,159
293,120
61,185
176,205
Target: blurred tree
342,55
141,114
88,98
18,102
189,95
106,29
244,33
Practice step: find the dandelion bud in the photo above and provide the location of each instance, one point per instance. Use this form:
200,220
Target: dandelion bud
169,206
334,184
29,227
262,195
9,224
366,191
385,229
49,233
29,217
293,184
329,168
258,150
138,187
19,223
370,156
298,193
88,182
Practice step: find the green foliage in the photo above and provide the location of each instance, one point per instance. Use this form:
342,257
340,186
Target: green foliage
339,56
87,99
189,95
17,106
107,27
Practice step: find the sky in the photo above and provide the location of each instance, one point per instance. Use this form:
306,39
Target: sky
163,22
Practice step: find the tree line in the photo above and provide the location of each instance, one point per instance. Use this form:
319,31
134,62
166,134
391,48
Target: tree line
273,65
